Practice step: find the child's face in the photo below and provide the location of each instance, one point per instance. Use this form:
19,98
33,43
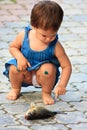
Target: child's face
46,36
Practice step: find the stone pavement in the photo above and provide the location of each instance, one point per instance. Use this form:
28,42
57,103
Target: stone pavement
73,35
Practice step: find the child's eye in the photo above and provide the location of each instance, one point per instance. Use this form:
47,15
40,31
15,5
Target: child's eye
44,35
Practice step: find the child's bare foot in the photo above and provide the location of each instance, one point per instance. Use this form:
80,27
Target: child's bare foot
47,99
13,94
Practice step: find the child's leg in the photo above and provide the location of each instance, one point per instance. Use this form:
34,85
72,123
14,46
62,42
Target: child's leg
16,79
46,76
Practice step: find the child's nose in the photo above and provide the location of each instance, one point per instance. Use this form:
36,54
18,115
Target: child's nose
48,39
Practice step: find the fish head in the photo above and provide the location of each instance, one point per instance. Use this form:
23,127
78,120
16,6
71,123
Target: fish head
30,114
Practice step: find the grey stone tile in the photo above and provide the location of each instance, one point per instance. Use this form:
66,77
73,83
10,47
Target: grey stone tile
78,30
80,106
17,25
59,106
23,121
33,97
78,44
8,38
4,87
80,18
79,68
15,128
6,31
2,111
71,117
5,53
80,126
16,108
68,37
3,45
78,77
71,87
25,90
4,100
7,119
81,86
5,2
49,127
72,96
83,68
72,35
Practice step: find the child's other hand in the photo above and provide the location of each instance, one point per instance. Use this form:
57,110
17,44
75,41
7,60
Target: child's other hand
59,90
22,64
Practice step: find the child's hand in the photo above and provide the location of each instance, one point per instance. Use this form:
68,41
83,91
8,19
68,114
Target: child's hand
22,64
59,90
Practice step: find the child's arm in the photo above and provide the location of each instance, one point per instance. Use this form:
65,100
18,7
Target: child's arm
14,49
66,70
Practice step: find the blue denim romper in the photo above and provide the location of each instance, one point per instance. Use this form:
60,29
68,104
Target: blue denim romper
35,58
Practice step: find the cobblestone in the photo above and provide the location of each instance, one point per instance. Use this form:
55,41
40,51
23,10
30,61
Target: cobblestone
73,36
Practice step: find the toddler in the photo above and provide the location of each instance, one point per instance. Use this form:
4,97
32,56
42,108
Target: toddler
38,51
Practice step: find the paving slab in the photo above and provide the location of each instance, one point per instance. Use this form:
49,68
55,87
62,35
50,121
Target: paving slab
14,16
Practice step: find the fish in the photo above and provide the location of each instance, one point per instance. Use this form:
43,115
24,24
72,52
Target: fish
38,112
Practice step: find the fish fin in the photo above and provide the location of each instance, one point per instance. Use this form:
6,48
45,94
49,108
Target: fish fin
32,105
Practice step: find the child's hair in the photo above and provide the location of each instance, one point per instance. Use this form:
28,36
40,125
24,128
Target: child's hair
46,14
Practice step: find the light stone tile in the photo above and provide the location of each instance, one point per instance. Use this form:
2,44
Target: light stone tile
16,108
80,126
80,106
33,97
81,86
71,117
78,77
73,36
2,111
49,127
15,128
81,60
7,119
78,30
72,96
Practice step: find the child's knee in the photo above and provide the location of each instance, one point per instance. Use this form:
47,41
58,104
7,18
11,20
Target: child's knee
48,70
46,75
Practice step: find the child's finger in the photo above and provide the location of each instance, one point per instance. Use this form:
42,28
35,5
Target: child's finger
56,95
28,64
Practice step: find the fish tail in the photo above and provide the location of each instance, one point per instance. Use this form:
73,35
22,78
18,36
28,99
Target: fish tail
59,112
55,112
